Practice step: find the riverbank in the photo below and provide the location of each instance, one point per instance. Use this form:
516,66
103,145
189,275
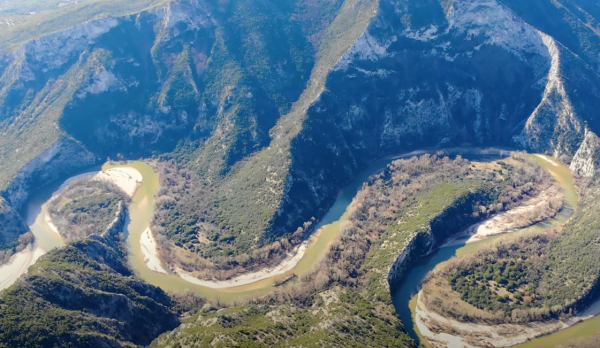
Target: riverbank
18,265
435,327
545,206
300,263
461,246
149,248
46,234
127,179
288,264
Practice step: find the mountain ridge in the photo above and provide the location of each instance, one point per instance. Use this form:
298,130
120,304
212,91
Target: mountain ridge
186,88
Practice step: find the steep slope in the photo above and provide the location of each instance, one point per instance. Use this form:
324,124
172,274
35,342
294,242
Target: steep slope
522,287
13,232
574,23
84,295
142,82
24,20
438,76
236,212
261,111
134,85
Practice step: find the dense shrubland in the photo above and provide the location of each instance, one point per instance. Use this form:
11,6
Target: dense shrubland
346,300
86,207
84,295
197,244
502,282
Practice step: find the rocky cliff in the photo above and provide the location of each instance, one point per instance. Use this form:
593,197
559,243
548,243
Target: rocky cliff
586,161
269,107
13,232
441,79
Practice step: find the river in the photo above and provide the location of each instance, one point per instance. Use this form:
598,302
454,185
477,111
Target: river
404,296
141,211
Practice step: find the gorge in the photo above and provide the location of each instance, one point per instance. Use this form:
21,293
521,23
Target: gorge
269,149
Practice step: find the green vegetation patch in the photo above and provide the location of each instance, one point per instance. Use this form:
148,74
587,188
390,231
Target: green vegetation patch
535,277
83,295
86,207
346,301
503,281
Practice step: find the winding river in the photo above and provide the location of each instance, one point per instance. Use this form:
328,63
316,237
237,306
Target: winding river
141,211
405,295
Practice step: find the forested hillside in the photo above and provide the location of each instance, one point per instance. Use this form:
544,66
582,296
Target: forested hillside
84,295
281,103
254,114
393,221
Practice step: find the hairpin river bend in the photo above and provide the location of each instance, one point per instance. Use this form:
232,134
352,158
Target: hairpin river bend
141,211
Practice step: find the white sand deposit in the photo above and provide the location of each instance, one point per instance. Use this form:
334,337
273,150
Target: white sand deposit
50,223
286,265
150,252
126,178
18,265
548,159
516,218
503,335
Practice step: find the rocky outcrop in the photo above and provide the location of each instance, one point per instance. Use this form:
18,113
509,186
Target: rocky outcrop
118,225
439,80
13,232
64,157
452,220
437,77
554,125
420,245
53,51
587,158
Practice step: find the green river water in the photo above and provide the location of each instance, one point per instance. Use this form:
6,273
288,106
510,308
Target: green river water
142,209
405,295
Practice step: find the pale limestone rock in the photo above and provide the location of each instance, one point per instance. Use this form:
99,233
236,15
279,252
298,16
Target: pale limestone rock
584,161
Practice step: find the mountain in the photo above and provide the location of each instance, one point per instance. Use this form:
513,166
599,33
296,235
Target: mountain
256,112
280,104
85,295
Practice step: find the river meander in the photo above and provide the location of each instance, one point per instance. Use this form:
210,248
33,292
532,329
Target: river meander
141,212
405,295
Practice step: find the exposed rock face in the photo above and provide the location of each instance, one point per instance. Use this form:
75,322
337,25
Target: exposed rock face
419,246
55,50
13,232
447,223
283,107
587,159
118,225
63,157
445,78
